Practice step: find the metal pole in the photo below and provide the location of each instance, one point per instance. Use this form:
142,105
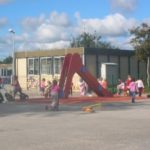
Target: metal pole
13,52
14,70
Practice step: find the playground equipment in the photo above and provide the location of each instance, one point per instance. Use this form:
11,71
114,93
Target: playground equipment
73,64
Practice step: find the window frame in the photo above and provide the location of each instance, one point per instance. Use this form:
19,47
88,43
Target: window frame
35,69
60,63
47,66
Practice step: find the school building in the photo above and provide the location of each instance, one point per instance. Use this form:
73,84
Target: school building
32,66
5,73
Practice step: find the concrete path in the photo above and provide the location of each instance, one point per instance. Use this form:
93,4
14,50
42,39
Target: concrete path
113,126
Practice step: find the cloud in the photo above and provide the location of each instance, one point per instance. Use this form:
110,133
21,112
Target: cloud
3,21
4,1
53,31
59,33
122,43
5,49
49,29
43,46
111,25
57,29
49,35
31,23
55,19
59,19
124,5
147,20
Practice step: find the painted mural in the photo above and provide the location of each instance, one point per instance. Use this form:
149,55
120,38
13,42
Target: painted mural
32,82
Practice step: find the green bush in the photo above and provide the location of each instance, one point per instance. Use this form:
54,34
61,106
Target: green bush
147,89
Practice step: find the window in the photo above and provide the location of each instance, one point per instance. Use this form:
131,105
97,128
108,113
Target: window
49,64
4,72
33,66
46,65
58,62
43,66
9,72
36,66
56,65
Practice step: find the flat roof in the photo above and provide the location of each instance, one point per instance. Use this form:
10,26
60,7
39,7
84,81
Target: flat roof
48,53
80,50
115,52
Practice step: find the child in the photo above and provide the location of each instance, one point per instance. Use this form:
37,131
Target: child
104,84
100,80
47,89
127,82
133,88
82,85
42,86
120,87
54,96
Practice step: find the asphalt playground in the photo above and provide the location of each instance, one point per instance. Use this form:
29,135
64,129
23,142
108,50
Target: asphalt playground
114,125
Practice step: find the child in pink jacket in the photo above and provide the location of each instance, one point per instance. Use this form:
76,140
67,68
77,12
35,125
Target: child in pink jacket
54,96
133,88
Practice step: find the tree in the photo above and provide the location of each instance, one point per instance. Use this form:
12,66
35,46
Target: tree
141,44
7,60
88,40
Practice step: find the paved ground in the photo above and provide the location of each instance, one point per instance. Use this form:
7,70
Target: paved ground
113,126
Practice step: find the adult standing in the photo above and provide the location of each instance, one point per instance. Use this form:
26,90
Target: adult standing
16,86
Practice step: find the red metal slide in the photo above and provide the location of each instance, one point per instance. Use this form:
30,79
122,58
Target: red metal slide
73,64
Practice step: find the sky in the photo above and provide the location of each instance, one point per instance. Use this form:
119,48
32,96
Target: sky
52,24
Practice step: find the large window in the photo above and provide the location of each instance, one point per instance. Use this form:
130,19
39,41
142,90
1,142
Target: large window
58,62
5,72
46,65
33,66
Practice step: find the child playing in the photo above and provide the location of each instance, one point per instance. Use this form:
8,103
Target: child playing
54,96
42,86
127,82
47,89
120,87
82,85
104,84
133,88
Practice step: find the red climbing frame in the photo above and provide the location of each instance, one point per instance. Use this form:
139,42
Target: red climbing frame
73,64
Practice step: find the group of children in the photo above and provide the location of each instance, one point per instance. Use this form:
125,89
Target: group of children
130,87
84,88
51,90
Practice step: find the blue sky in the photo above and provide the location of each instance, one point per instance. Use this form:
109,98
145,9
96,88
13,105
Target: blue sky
47,24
